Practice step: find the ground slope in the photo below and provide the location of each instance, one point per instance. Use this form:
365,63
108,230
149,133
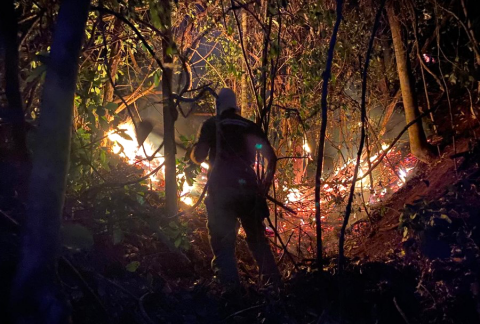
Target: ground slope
430,182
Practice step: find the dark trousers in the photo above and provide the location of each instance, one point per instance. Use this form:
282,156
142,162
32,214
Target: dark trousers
225,207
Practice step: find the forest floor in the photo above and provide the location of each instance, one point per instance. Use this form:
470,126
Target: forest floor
430,182
416,263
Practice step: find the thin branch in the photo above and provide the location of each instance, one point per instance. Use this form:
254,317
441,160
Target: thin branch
243,311
292,157
244,6
9,218
274,72
142,308
471,36
134,29
395,140
263,78
30,29
203,90
402,313
282,244
203,58
128,183
191,209
85,283
323,129
245,57
276,202
348,209
137,94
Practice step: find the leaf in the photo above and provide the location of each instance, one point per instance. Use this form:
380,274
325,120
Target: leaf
155,17
117,236
445,217
76,237
125,135
140,200
104,123
37,72
100,112
111,106
103,157
132,266
156,78
178,241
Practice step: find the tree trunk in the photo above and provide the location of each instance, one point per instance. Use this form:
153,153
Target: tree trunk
35,298
418,141
169,112
15,160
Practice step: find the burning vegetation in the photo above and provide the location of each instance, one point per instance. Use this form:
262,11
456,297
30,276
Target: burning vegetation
295,224
371,107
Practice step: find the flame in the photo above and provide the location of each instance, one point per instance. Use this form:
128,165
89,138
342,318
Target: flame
116,149
294,195
187,200
186,190
125,144
306,147
402,174
388,177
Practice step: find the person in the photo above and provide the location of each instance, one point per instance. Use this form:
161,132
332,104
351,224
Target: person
234,190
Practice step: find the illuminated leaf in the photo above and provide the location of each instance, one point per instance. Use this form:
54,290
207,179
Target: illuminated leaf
125,135
37,72
445,217
132,266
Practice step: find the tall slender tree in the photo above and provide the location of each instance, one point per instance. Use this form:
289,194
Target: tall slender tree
35,297
418,141
169,112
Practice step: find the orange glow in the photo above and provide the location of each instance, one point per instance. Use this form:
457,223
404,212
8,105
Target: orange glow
127,147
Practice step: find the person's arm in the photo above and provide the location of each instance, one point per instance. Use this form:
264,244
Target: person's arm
202,147
199,152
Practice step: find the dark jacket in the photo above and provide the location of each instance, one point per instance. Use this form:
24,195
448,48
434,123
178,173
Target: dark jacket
240,142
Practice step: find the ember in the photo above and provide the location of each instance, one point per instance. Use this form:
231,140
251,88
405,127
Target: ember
299,230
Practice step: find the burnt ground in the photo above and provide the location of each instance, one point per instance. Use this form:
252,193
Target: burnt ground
431,182
425,274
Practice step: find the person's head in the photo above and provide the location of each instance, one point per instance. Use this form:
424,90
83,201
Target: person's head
227,101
